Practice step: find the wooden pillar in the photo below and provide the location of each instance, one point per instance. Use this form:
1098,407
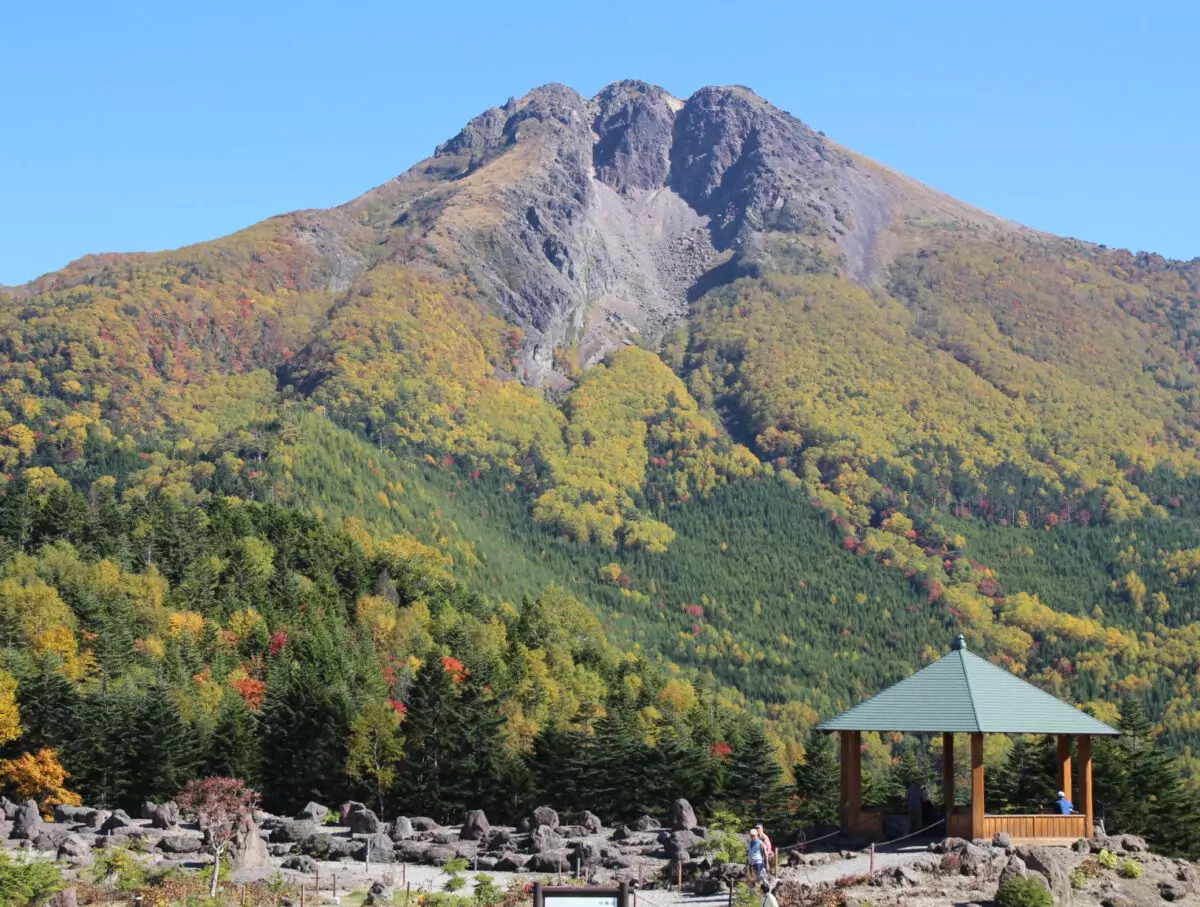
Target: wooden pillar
844,765
1064,764
851,779
1085,781
948,777
977,795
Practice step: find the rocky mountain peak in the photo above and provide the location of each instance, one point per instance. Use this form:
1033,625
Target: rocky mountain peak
592,222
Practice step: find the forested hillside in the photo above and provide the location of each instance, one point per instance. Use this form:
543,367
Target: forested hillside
627,420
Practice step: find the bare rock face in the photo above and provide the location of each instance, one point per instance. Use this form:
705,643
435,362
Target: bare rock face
27,821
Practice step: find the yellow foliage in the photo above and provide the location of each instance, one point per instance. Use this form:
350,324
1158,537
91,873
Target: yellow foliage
40,777
10,716
188,622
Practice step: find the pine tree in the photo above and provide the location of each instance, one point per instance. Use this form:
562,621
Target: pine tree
234,749
818,781
429,773
754,786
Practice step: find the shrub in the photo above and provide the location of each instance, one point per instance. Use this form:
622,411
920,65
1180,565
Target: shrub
25,884
487,892
331,817
1107,859
455,864
118,868
1023,891
454,883
1078,879
1130,869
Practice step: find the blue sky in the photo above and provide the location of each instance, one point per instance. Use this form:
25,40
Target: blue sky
128,126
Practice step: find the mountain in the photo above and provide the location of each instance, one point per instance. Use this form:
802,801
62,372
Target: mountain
782,419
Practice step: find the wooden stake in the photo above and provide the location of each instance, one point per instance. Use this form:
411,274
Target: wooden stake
680,865
317,887
335,886
243,896
404,873
301,894
872,869
407,892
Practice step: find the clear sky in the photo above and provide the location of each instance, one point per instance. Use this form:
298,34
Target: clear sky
128,126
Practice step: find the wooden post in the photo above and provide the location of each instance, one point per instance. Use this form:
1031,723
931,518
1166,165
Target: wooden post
680,866
407,892
854,780
301,894
404,873
1064,764
335,887
977,794
948,777
872,869
1085,782
844,763
317,887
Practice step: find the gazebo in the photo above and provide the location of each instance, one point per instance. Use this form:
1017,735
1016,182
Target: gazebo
962,693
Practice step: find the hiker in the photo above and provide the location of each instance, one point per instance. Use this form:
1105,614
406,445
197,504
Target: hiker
756,856
768,847
768,899
1065,806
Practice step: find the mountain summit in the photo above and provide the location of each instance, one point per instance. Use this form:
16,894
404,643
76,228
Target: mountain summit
592,223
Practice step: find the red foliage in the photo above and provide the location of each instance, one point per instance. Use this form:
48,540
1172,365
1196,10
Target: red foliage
989,587
456,669
279,639
849,543
1052,520
721,750
217,804
693,611
400,707
253,692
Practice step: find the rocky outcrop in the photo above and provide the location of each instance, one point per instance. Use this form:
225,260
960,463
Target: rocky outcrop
247,850
475,826
27,821
543,817
312,812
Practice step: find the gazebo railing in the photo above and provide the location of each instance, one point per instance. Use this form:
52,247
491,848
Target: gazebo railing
1022,826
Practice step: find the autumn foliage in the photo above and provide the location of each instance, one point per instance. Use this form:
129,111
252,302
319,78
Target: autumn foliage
38,776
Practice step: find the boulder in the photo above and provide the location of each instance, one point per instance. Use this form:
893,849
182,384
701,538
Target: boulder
437,855
166,816
74,849
485,863
27,821
318,845
554,861
380,847
683,817
1014,867
1082,846
313,812
585,854
1055,864
8,809
622,833
543,816
71,815
48,838
401,829
1001,839
1129,844
1172,891
410,851
148,809
591,822
706,886
380,894
499,839
350,806
293,832
475,826
300,862
363,822
268,821
948,845
545,840
247,850
423,823
646,823
512,862
118,820
280,850
1189,875
680,842
96,819
572,831
444,836
904,877
179,844
64,898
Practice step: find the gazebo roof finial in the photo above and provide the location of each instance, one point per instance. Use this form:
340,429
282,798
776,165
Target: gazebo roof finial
959,644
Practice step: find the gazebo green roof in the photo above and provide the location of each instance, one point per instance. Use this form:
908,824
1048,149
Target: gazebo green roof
963,693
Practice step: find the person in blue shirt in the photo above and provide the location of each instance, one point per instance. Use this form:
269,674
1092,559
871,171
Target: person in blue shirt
756,855
1065,806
